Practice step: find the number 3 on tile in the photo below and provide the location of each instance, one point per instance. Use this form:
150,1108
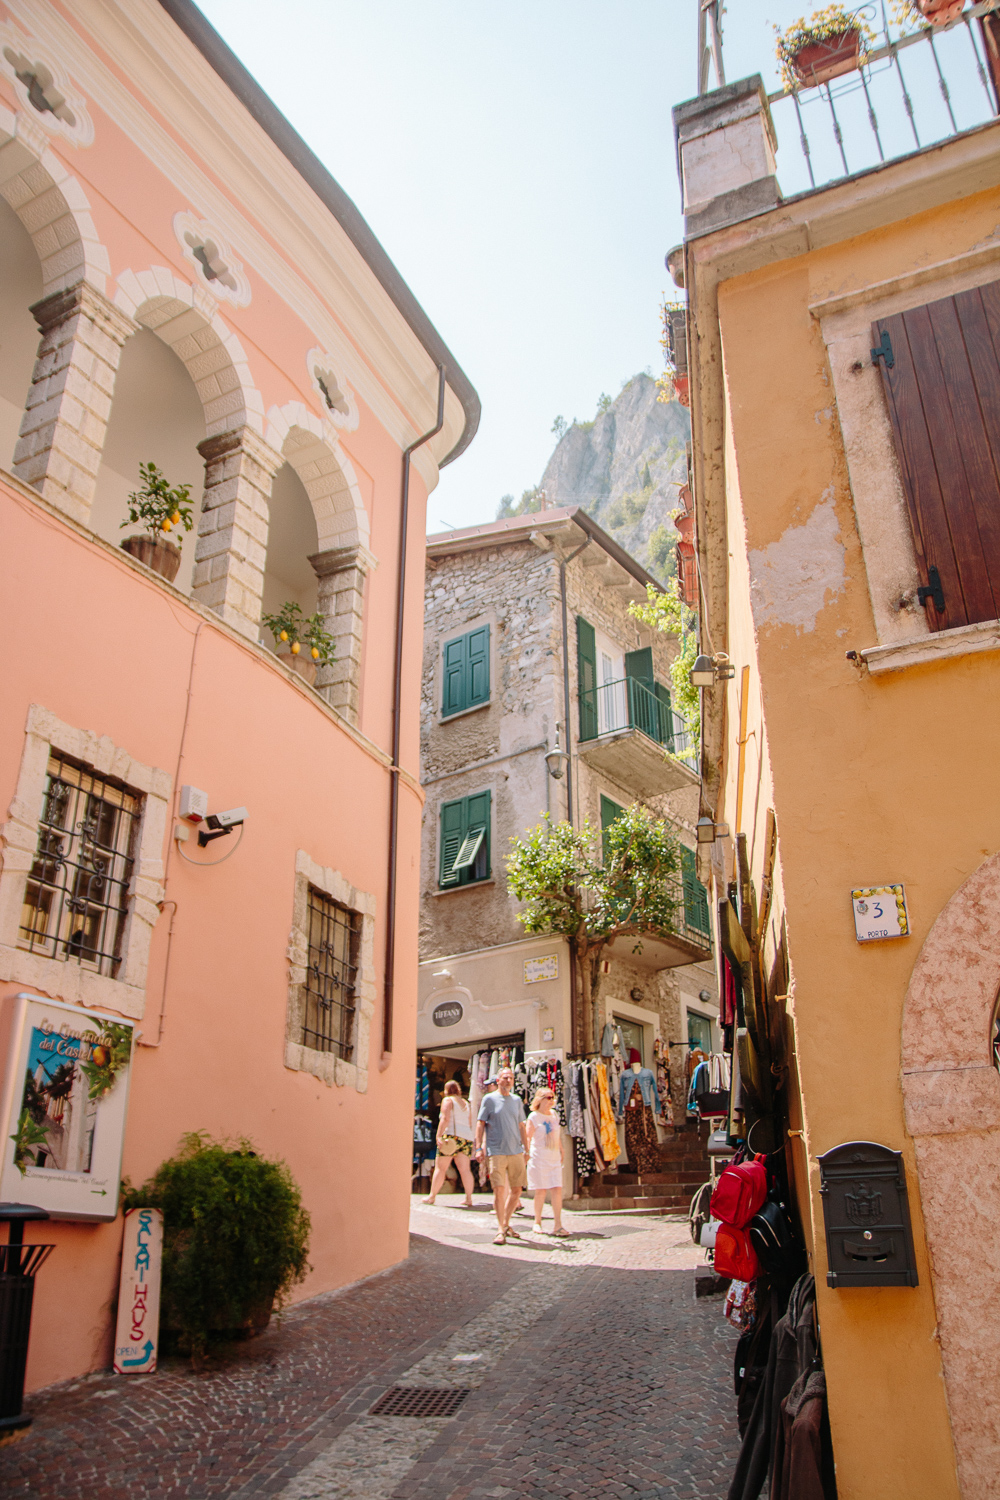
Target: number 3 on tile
879,913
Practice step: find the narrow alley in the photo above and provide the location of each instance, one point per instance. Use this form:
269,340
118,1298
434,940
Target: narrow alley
589,1366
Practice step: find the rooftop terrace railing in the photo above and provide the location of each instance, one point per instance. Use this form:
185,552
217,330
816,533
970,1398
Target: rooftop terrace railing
912,91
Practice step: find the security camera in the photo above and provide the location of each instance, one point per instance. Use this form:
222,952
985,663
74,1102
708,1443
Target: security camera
220,824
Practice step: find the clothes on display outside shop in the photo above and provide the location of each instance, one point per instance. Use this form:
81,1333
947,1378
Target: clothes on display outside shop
710,1084
486,1064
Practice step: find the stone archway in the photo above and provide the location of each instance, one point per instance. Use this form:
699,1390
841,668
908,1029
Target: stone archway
951,1092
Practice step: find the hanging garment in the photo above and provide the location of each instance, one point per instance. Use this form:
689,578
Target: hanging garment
422,1098
803,1452
647,1087
641,1144
616,1070
583,1159
475,1087
609,1135
575,1091
594,1108
727,997
494,1063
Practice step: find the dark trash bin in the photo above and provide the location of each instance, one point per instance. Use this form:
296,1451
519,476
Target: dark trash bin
18,1265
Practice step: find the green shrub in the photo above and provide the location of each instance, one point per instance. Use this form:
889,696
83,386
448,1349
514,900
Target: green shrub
235,1237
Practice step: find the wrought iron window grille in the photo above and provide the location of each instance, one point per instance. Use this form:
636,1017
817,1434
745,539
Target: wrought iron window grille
331,975
77,892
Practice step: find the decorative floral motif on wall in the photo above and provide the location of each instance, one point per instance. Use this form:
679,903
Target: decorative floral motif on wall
43,88
339,404
217,267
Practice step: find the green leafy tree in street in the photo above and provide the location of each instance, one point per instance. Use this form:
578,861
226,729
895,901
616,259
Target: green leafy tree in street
593,887
667,612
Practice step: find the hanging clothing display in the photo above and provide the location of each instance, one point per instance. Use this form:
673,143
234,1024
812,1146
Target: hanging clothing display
610,1148
710,1081
641,1144
422,1098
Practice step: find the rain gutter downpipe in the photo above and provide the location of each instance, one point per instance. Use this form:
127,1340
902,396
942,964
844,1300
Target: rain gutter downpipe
397,695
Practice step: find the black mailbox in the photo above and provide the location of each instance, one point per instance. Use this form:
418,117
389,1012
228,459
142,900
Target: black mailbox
867,1216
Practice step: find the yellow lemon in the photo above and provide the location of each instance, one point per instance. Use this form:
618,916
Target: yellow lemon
296,648
175,517
166,524
283,636
315,654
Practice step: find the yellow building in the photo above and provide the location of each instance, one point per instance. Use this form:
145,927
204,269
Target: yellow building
844,363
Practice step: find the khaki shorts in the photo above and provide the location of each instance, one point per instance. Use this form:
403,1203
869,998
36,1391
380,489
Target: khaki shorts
507,1171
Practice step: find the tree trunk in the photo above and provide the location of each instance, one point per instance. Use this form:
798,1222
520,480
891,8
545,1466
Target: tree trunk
590,976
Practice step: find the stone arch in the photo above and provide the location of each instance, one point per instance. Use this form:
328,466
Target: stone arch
951,1093
311,447
51,205
186,318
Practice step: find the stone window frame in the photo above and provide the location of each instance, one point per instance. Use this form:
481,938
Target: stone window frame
60,978
903,637
454,633
326,1066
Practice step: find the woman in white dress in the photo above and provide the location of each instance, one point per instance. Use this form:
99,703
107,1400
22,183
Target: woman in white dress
455,1141
545,1160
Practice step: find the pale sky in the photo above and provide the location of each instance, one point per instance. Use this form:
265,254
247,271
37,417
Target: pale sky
516,160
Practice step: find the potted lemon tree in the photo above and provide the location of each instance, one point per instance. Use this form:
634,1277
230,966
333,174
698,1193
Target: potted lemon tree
160,509
831,42
301,642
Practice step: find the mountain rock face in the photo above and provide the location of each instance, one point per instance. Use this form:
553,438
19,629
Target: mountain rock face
625,469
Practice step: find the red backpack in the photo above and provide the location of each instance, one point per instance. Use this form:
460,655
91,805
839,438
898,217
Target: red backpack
734,1255
740,1193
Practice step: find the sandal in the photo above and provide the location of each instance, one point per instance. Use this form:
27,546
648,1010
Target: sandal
513,1233
501,1239
561,1234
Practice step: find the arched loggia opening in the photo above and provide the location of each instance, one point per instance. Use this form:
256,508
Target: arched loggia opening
291,541
20,288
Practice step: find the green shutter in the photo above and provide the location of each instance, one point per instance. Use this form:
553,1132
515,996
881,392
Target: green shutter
465,840
586,660
695,895
610,811
453,830
456,676
640,664
666,734
478,660
643,709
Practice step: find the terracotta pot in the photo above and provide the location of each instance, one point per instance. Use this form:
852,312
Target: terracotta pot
682,389
156,553
303,664
940,12
818,62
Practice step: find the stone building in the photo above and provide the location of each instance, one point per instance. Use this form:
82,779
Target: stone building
529,647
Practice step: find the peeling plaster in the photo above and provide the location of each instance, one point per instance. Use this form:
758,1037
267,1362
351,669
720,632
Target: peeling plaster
791,579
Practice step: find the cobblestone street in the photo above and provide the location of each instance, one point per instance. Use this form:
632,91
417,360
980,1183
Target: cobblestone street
588,1365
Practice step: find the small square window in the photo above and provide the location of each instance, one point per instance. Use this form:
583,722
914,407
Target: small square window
76,895
328,1016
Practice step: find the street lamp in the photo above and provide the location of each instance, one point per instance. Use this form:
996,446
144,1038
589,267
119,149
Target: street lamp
705,830
708,670
556,759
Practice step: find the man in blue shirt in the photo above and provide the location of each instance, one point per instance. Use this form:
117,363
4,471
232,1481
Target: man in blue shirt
501,1128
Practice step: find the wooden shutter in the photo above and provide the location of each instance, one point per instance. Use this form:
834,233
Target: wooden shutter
477,817
695,894
643,709
456,691
586,661
478,660
941,374
666,735
610,811
640,664
453,831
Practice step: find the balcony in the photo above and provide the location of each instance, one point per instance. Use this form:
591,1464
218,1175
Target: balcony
689,943
626,727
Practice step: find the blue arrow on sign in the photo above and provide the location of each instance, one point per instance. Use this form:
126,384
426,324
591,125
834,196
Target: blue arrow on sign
144,1356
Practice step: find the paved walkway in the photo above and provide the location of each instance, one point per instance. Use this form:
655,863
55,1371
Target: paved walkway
588,1366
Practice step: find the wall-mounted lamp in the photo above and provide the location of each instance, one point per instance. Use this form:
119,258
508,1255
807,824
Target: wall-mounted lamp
556,759
708,830
708,670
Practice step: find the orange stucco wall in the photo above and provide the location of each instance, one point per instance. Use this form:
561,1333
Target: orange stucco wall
106,648
873,780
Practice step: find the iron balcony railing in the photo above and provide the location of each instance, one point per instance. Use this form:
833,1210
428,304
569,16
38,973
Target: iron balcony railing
913,91
630,704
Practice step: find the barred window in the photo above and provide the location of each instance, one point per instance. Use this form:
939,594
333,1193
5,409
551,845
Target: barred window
76,896
328,1019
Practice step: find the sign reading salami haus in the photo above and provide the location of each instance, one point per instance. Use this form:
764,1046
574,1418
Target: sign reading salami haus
137,1332
62,1110
448,1013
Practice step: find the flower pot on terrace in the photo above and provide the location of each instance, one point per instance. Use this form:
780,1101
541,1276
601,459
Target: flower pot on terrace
303,664
682,389
940,12
818,62
156,553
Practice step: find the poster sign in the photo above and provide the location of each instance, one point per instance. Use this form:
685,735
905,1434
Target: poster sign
63,1106
880,912
537,969
137,1333
448,1013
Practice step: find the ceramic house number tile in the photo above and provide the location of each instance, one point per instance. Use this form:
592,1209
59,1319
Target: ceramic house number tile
880,912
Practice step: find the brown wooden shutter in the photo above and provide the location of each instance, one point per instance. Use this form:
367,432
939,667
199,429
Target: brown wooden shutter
941,374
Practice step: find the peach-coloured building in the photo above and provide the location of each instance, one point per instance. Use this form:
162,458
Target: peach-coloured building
207,298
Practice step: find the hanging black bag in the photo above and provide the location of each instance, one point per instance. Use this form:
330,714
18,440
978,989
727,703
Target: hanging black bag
773,1238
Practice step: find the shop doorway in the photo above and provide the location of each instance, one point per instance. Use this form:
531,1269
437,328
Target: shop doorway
633,1034
699,1032
436,1066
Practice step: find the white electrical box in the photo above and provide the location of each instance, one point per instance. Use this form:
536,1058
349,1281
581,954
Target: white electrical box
194,804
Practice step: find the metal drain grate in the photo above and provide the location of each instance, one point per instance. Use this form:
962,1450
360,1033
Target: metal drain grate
418,1401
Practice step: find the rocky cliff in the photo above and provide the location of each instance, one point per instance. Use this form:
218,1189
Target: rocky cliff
625,469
